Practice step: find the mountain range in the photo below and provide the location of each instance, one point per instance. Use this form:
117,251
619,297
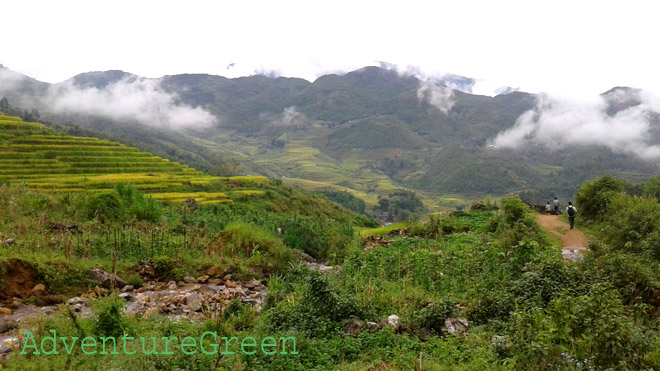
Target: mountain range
370,131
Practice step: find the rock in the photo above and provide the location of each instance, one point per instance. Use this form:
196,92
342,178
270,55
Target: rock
4,327
353,326
77,300
202,279
656,293
149,271
248,286
126,296
213,271
5,349
393,321
5,311
9,241
174,299
231,285
194,301
39,290
78,308
99,291
231,269
52,299
305,257
216,281
15,303
171,285
372,325
477,205
127,288
455,325
106,279
189,279
227,277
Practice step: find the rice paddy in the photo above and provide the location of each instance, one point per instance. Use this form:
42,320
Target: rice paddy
37,157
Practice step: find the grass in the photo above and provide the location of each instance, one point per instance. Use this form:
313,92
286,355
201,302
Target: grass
364,232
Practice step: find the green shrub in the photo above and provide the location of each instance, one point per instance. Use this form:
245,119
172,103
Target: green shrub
434,315
134,280
110,320
146,208
630,221
594,197
104,204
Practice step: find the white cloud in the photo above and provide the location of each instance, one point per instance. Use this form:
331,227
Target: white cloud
560,123
9,79
130,98
289,117
441,97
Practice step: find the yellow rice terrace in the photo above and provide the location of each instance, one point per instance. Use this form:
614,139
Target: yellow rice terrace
36,156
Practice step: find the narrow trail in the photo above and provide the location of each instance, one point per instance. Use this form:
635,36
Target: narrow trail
574,242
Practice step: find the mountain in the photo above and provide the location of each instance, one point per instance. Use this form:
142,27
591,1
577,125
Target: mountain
369,131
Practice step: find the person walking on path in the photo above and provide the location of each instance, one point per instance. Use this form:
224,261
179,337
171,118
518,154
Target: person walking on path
548,208
556,203
571,211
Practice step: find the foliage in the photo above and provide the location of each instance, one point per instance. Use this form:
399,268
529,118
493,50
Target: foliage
347,200
595,196
110,320
106,205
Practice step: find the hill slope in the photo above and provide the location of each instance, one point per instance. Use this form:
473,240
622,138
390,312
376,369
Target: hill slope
370,131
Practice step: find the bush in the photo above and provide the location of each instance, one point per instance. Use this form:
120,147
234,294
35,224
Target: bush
594,197
434,315
146,208
630,221
105,204
110,320
253,242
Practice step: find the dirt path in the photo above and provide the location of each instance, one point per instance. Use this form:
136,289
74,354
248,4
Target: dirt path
574,242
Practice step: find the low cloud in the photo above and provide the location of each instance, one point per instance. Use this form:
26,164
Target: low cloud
439,96
290,117
623,120
140,99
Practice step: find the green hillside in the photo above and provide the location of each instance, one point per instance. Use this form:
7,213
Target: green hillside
34,154
369,131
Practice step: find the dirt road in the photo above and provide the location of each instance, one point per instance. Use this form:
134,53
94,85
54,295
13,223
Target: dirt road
574,242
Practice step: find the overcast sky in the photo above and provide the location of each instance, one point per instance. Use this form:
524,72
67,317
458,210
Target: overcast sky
568,47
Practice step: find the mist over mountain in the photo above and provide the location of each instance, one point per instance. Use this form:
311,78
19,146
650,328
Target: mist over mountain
372,130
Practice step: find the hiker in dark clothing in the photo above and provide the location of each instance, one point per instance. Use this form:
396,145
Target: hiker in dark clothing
556,203
571,211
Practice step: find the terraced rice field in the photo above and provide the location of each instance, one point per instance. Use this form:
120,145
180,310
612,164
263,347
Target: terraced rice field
36,156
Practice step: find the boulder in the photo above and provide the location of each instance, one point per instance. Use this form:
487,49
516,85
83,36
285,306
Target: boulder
393,321
106,279
372,325
202,279
353,326
455,325
214,271
193,301
9,241
477,205
5,311
127,288
77,300
4,327
189,279
39,290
